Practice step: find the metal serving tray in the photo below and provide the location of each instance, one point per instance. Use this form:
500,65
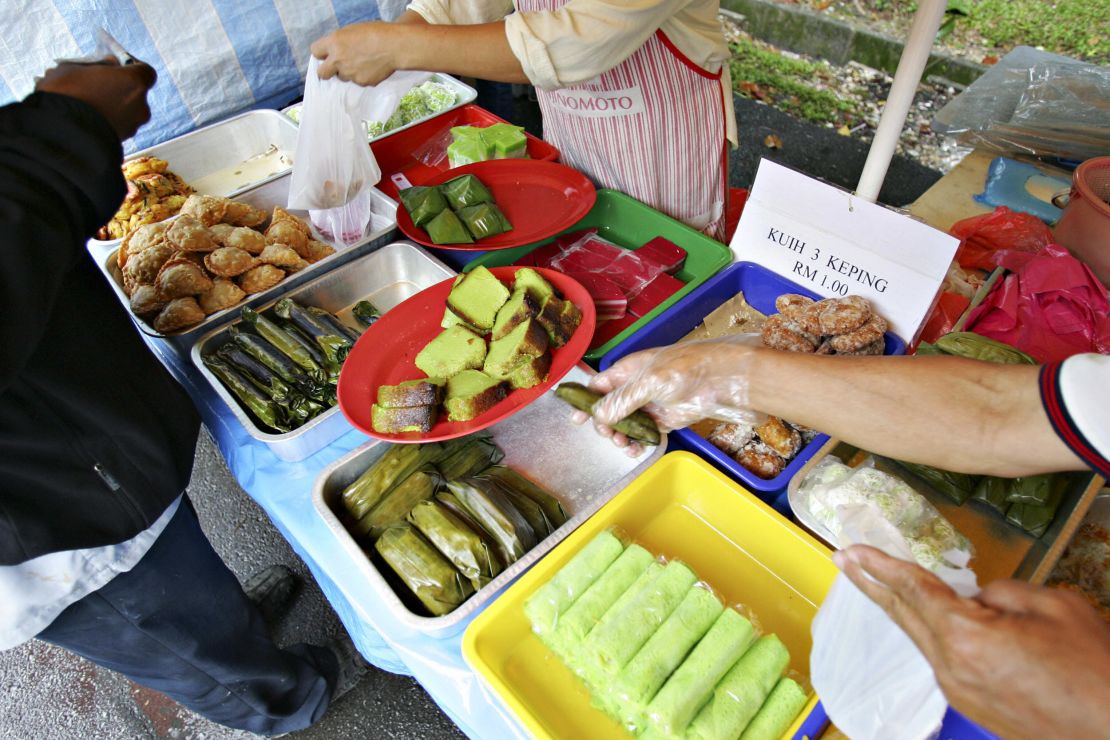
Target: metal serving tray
581,469
200,153
385,278
1001,550
273,193
464,94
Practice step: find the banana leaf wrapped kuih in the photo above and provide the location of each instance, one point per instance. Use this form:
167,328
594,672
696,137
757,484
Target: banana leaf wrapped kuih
307,383
510,478
281,339
464,191
446,228
333,321
528,508
971,345
637,425
396,464
430,577
366,313
1032,489
464,546
392,509
487,505
474,455
993,492
956,486
264,409
263,377
422,203
1036,519
335,345
484,219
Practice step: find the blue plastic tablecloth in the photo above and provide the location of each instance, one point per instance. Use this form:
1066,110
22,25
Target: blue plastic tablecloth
284,490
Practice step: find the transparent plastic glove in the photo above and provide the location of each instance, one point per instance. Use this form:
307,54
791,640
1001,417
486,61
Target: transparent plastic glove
680,384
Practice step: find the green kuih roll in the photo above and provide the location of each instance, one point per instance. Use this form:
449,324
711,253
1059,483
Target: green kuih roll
588,610
691,685
778,712
618,637
742,691
664,651
547,604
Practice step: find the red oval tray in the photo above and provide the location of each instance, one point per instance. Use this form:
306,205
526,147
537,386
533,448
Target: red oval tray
540,199
385,355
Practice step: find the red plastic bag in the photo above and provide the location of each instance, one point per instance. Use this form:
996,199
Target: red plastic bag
1003,237
945,314
1053,307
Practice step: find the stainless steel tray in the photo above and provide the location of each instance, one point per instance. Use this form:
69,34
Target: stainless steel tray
200,153
273,193
581,469
464,94
385,278
1001,550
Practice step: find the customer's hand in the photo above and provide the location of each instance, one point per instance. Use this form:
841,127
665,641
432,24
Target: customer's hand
117,92
361,52
1023,661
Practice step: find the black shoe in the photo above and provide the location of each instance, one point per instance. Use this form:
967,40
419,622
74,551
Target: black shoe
352,666
271,590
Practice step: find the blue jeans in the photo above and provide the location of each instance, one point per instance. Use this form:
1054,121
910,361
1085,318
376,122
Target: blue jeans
179,622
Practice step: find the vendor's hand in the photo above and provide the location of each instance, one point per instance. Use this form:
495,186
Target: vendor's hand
1023,661
680,384
362,52
117,92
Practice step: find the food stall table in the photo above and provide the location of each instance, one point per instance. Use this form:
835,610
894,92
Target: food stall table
284,491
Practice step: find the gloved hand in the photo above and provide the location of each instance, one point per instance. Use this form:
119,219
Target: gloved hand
679,385
117,91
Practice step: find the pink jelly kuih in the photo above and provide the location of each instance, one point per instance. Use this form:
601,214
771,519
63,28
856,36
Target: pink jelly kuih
606,330
591,253
609,299
663,252
654,293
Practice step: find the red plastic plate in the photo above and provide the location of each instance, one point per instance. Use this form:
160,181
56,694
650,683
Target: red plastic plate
385,355
540,199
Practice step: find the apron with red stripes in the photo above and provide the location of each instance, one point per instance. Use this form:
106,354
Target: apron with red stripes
652,127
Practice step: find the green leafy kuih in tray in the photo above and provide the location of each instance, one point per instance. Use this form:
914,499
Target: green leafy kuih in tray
459,211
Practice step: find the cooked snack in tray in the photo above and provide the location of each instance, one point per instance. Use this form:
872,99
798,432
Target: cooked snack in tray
153,194
658,651
637,425
446,228
423,203
212,238
477,377
445,518
294,370
484,219
842,326
457,212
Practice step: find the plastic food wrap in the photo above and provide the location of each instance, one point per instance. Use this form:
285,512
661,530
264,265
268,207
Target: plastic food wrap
484,219
742,691
464,191
467,550
423,203
544,607
778,711
427,574
594,254
832,484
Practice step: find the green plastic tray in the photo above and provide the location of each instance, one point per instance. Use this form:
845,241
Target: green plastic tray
629,223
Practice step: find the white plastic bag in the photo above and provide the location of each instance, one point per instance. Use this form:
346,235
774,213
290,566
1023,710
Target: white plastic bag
334,169
873,681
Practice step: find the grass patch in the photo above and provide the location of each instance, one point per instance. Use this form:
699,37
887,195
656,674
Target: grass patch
1076,27
786,83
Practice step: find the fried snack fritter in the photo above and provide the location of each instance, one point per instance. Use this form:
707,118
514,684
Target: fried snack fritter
142,268
228,261
244,214
280,255
180,313
283,216
315,251
144,165
869,334
260,278
731,438
223,294
239,237
283,232
187,234
182,277
842,315
146,299
781,438
781,333
761,460
153,194
140,240
302,263
208,209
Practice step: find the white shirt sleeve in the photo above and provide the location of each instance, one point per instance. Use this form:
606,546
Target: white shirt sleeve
461,12
1084,386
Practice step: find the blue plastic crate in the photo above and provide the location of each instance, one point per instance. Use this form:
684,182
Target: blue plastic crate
760,287
954,726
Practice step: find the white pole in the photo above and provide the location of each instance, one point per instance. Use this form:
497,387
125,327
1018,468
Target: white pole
919,43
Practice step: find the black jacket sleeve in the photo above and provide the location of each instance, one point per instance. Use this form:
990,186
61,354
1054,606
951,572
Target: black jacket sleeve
60,180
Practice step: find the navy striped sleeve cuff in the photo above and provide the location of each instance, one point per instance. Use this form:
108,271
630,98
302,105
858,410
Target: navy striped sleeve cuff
1064,424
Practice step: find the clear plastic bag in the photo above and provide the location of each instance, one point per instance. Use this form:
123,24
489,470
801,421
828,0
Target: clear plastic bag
334,169
873,681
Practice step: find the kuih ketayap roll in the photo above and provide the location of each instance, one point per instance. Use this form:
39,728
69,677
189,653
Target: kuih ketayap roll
692,684
547,604
577,656
640,680
740,694
778,712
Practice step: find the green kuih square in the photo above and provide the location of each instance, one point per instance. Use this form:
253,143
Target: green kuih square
506,141
477,298
423,204
484,219
452,351
471,393
446,228
466,190
467,151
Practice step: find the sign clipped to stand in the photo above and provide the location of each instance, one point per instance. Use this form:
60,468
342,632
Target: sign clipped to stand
837,244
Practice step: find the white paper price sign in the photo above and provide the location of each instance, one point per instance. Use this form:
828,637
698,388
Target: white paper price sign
836,244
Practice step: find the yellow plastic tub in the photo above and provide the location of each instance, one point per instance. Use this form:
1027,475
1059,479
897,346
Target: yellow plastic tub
683,508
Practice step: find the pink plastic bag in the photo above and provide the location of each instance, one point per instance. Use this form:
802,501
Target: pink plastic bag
988,239
1051,307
